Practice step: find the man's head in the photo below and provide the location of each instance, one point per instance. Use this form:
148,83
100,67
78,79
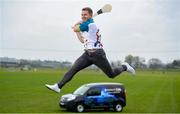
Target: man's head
86,13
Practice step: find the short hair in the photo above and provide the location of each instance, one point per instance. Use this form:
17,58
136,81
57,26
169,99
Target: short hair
90,11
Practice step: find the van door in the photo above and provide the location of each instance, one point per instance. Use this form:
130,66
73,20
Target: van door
93,97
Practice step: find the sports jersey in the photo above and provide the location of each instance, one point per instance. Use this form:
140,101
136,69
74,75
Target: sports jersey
91,34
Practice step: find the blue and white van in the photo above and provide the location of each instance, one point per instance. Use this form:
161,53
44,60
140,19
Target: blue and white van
95,96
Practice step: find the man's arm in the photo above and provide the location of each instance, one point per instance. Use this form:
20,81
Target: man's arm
77,30
76,27
80,37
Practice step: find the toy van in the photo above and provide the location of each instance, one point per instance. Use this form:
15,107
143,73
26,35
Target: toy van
95,96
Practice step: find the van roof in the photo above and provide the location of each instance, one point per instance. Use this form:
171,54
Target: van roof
102,83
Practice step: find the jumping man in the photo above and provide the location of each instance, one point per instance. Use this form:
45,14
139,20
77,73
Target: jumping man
88,33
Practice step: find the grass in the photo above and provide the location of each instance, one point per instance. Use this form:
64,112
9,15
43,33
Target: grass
147,92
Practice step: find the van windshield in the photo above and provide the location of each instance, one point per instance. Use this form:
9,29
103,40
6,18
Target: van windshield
81,90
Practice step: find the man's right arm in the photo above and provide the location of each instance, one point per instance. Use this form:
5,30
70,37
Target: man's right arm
77,28
80,37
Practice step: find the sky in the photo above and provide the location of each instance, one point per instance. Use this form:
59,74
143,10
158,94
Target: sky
41,29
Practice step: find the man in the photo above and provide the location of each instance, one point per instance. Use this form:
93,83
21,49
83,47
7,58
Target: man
88,33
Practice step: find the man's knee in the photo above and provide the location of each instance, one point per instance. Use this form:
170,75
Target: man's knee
111,75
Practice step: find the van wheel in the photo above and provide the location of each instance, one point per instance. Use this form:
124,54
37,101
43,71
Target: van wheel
80,107
118,107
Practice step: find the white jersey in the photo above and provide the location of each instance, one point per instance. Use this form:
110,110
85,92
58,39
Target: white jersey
91,34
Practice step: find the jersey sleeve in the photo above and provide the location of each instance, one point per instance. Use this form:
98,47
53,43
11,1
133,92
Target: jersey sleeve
84,26
92,28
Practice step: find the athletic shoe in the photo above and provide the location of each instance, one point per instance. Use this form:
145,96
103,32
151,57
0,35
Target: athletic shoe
54,87
129,69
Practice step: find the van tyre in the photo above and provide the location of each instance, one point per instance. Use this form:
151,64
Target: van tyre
80,108
118,107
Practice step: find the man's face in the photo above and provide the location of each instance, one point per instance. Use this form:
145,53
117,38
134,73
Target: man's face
85,15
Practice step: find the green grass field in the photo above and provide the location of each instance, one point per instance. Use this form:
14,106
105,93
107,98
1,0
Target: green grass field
24,91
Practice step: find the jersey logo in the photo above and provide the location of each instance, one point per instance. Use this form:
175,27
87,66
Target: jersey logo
98,42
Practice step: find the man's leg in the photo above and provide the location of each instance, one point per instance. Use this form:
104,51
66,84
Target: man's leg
100,60
81,63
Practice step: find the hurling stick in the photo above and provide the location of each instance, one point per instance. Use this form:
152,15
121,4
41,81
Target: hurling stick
106,8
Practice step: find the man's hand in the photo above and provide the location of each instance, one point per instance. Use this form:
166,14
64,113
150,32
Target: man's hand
76,29
76,26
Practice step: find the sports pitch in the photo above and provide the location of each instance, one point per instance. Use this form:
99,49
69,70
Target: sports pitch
147,92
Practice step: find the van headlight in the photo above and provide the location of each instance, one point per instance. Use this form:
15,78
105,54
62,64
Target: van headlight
71,98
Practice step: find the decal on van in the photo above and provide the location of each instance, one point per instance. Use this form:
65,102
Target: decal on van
114,90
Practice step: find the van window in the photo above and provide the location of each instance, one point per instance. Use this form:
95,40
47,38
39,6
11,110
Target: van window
81,90
94,92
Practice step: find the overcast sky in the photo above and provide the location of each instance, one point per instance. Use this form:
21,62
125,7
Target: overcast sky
41,29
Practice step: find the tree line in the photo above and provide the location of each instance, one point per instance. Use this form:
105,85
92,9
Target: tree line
135,61
153,63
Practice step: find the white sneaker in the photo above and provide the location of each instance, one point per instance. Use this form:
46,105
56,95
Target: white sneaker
54,87
129,68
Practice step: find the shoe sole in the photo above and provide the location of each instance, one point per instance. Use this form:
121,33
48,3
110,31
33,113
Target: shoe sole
51,89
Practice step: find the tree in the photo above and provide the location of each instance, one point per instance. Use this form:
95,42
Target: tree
129,59
155,63
139,62
176,63
135,61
